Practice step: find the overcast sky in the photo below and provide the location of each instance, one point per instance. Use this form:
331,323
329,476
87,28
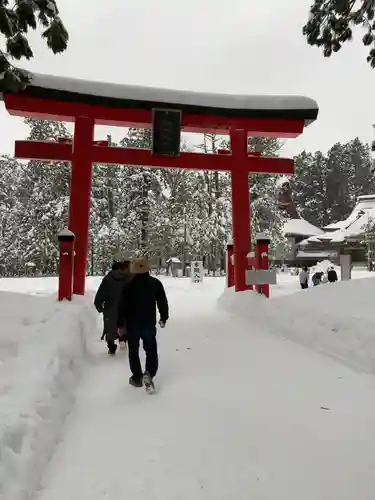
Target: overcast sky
241,46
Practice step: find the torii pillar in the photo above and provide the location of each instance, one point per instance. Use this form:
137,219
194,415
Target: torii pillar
240,208
80,197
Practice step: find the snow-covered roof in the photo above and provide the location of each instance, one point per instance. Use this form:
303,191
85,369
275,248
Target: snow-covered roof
364,204
266,106
301,227
336,225
354,230
174,260
320,254
324,237
307,241
353,226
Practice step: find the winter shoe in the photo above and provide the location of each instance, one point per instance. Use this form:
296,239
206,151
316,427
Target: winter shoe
112,348
135,382
148,383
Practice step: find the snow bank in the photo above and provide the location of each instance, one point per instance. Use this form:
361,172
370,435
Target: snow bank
42,345
42,286
334,319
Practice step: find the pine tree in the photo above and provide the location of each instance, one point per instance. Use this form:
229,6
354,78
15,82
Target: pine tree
10,172
325,187
309,188
331,24
41,209
141,138
16,18
362,180
265,215
337,185
216,225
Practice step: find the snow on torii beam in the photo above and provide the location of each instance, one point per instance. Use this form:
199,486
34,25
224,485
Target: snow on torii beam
89,103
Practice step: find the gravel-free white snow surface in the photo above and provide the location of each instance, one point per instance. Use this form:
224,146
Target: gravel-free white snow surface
240,414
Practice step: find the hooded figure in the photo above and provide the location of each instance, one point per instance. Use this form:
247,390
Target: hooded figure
332,275
107,301
137,311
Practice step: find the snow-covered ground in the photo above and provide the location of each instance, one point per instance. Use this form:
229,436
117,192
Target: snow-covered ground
241,411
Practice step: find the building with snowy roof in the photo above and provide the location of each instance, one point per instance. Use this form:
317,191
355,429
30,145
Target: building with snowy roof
296,231
343,236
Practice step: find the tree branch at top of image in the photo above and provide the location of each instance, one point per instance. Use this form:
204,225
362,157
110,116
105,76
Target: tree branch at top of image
16,19
331,24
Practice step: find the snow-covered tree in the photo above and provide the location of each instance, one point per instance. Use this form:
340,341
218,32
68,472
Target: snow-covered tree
41,208
325,187
164,212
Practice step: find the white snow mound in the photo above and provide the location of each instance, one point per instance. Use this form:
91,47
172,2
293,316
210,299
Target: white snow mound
334,319
42,345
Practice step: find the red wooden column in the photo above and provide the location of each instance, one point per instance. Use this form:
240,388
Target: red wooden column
80,196
240,207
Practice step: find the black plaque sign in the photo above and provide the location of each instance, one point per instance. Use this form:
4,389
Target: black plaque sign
166,132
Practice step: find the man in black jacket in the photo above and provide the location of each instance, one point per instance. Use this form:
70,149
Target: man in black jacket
107,301
137,312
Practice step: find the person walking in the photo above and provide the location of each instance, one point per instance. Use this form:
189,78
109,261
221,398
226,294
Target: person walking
107,301
317,278
332,275
304,278
137,311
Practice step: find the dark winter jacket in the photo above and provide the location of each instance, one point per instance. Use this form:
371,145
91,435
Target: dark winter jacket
317,278
140,299
332,276
108,298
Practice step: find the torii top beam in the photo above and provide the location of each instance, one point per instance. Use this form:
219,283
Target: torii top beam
60,98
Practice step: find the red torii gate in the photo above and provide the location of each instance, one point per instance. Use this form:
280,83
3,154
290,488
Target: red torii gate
92,103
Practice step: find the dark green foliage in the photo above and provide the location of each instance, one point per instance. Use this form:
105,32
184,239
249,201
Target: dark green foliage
15,21
331,24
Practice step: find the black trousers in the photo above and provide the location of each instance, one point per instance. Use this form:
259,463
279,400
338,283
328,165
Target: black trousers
148,336
304,286
110,339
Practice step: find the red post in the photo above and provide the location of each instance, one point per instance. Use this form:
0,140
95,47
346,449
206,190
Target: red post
66,242
240,208
262,260
80,194
230,266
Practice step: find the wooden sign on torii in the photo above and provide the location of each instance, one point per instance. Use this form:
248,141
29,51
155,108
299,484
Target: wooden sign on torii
93,103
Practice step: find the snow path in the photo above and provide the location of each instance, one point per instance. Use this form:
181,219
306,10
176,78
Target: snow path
238,415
